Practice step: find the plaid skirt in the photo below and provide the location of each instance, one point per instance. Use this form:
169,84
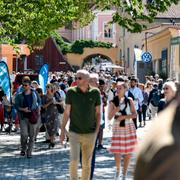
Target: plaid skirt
124,139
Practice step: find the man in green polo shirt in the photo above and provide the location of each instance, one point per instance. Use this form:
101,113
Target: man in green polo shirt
83,109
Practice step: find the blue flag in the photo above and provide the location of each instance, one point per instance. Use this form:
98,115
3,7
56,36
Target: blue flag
43,77
5,80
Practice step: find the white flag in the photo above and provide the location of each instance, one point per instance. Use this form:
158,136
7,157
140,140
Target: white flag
138,53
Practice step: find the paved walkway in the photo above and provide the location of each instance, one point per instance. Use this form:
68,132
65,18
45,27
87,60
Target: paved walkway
52,164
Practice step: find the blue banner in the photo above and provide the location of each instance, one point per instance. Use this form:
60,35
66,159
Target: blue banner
5,80
43,77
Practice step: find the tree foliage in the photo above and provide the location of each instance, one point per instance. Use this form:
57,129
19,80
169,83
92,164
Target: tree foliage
33,20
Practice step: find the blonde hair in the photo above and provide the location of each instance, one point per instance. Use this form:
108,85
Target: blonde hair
171,84
122,83
84,73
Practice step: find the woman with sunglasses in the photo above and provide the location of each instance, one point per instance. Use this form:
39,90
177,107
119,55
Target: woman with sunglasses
49,105
169,89
124,133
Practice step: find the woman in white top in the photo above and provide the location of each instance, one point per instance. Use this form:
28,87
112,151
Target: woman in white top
124,132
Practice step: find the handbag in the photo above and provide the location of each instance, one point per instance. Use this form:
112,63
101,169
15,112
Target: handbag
43,115
60,108
34,116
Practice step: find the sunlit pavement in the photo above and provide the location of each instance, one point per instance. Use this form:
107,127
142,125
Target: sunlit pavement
53,163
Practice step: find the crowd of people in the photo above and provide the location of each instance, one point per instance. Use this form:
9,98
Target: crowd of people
81,98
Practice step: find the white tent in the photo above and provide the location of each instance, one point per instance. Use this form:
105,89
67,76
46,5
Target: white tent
113,66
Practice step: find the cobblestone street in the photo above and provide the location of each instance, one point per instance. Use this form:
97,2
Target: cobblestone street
53,163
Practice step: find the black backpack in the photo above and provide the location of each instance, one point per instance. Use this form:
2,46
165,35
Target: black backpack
60,107
156,96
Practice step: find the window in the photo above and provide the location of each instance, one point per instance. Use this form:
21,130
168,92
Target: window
108,30
39,61
164,60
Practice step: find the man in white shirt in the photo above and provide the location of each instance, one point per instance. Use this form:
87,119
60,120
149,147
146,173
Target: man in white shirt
136,94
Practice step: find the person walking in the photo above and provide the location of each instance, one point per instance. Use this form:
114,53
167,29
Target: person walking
103,105
60,106
158,154
51,112
124,133
2,94
142,114
83,108
153,100
169,89
136,94
25,103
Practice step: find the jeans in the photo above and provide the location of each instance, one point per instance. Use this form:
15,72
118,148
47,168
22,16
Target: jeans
86,143
27,131
143,113
93,161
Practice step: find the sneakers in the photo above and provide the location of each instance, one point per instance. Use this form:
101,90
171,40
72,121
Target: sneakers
100,146
123,177
51,145
116,176
144,123
140,124
47,141
29,156
22,153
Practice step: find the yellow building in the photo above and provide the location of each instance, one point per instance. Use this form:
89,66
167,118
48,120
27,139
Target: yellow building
165,52
78,59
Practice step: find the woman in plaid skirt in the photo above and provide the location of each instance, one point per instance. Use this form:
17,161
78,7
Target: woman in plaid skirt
124,132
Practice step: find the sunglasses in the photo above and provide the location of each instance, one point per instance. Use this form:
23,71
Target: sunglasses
165,88
47,87
25,85
79,78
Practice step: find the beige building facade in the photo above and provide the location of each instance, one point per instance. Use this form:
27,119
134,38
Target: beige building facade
78,59
128,41
165,53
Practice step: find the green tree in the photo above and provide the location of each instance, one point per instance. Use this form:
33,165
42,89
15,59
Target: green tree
34,20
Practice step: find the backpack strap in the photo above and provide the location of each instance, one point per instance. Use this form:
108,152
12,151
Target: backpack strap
130,94
114,92
57,96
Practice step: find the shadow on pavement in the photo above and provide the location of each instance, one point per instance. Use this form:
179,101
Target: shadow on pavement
50,164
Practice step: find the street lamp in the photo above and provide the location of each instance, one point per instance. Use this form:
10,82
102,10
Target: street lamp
146,33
